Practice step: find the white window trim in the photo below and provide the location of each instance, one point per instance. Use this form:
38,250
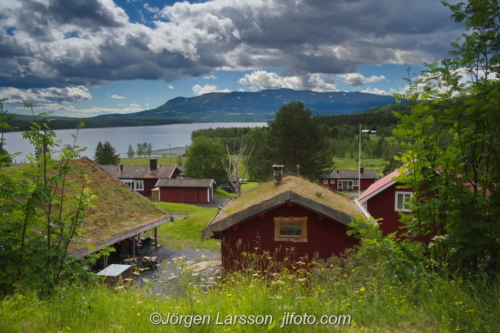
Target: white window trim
398,209
325,181
128,182
332,181
139,185
355,182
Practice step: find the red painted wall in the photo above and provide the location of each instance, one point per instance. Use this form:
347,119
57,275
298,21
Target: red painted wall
175,174
149,184
382,205
184,195
325,237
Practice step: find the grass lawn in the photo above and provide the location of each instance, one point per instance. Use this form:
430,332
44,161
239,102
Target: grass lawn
145,160
377,164
179,208
187,231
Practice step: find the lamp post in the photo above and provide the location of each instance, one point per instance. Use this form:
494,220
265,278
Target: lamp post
298,166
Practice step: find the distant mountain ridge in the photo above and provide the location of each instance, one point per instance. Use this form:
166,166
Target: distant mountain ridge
258,106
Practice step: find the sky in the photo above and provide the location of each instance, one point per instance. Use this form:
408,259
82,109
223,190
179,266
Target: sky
84,58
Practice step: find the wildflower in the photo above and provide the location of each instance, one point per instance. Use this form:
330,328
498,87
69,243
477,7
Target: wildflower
362,289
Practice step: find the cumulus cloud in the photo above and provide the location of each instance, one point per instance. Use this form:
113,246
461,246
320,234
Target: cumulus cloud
61,43
268,80
171,86
210,77
375,91
356,79
46,96
117,97
208,88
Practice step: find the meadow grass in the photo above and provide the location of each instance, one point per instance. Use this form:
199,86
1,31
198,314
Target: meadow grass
376,164
428,304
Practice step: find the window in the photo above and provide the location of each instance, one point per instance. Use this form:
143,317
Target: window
129,183
403,201
332,181
325,181
291,229
355,183
139,185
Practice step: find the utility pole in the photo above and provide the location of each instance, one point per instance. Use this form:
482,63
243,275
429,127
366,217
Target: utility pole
170,153
359,162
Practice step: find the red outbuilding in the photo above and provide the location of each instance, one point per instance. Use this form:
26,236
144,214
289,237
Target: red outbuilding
184,190
277,217
349,180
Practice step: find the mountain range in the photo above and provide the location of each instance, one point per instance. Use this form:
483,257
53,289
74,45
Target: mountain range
258,106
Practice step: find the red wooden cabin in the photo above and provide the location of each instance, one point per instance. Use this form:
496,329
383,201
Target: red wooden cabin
349,180
143,178
384,200
292,214
184,190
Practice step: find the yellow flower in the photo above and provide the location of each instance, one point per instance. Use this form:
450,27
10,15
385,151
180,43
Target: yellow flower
362,289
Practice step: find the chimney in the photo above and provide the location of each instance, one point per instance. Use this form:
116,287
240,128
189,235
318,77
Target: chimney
338,172
153,164
362,170
121,167
278,173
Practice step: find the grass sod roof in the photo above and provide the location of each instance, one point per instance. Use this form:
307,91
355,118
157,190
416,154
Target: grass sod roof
269,195
118,212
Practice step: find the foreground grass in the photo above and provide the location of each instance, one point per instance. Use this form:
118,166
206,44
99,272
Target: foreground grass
433,304
187,231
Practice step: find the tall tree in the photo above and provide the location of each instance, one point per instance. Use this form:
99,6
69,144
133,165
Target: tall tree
149,149
105,154
130,152
204,160
295,138
452,139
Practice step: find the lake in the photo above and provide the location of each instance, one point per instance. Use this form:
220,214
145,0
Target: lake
161,137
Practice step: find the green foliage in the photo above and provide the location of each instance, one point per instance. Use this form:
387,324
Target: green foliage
206,158
41,211
105,154
130,152
5,125
295,138
452,139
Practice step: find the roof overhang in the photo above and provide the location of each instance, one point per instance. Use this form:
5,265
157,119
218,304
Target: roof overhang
288,196
122,236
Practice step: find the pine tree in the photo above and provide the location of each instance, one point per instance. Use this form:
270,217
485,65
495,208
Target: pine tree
105,154
130,152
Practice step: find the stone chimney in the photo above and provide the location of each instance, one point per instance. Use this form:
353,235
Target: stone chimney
121,167
362,170
278,173
153,164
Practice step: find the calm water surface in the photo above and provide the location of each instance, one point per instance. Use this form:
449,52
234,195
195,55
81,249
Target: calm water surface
161,137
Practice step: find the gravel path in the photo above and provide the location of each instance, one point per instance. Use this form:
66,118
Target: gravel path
178,268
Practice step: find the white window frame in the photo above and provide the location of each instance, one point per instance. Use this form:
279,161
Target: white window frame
332,181
355,182
401,207
129,183
325,181
139,185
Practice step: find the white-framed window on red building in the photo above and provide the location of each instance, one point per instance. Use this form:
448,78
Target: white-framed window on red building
403,201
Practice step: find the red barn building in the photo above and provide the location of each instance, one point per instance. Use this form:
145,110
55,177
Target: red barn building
184,190
293,213
384,200
348,180
143,178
